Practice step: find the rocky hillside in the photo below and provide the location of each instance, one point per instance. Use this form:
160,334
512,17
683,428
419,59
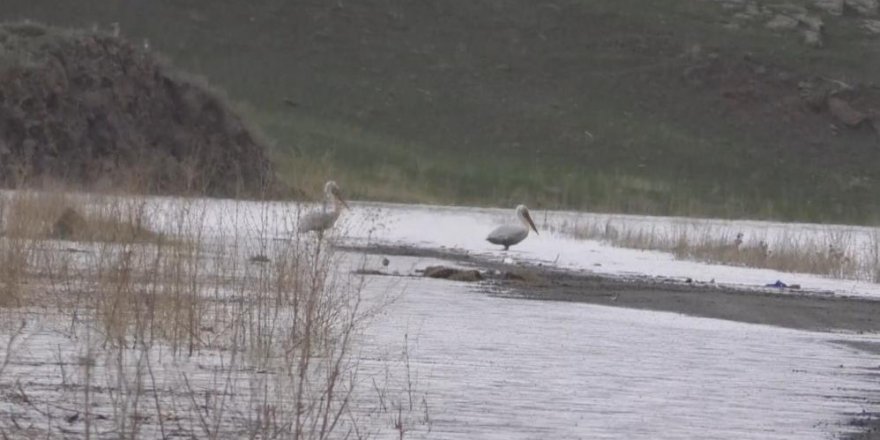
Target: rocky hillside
805,19
742,108
91,109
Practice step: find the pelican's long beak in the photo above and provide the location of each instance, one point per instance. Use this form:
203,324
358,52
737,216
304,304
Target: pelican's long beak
531,223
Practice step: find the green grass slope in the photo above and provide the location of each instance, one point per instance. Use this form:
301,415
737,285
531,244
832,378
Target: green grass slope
662,107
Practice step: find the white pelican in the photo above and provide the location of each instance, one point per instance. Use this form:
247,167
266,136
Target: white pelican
324,218
509,235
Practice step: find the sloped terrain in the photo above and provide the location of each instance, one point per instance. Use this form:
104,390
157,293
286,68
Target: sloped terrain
92,109
717,108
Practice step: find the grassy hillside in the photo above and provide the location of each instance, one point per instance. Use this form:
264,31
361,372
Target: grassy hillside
662,107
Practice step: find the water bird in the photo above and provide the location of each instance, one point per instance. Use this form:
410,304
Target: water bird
324,218
509,235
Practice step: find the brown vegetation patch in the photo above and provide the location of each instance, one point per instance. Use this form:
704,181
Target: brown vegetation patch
94,109
72,225
50,215
834,255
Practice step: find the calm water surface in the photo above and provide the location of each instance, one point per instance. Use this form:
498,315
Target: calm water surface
510,368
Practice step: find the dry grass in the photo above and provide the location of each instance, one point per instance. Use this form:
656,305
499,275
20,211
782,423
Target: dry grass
36,215
834,253
170,329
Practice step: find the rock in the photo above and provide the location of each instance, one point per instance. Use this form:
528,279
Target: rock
259,258
863,7
833,7
69,224
453,274
816,92
466,275
781,23
811,22
368,272
845,112
752,10
438,272
789,9
731,5
812,38
871,26
512,276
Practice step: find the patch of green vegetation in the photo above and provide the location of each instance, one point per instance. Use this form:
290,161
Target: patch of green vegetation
567,105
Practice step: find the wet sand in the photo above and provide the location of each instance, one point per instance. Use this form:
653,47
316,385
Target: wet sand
791,308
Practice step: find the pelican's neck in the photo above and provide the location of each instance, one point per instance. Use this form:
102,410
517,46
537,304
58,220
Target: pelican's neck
335,211
331,203
521,215
522,218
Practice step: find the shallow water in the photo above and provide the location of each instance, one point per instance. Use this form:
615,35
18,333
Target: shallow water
465,229
510,368
492,367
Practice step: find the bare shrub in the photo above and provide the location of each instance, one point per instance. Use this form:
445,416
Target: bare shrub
401,403
173,330
872,266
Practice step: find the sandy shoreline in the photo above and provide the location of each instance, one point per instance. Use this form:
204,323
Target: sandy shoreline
803,310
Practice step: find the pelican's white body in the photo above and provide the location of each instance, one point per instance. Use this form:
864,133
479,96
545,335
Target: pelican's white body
324,218
508,235
511,234
319,220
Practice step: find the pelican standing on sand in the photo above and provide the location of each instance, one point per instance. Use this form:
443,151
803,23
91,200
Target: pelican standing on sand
324,218
509,235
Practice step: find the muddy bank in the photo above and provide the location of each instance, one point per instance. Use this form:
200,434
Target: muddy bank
869,426
805,310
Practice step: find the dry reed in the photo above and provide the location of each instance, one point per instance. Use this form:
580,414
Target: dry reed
173,330
836,253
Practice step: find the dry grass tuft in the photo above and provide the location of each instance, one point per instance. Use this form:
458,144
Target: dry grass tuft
51,215
171,328
833,253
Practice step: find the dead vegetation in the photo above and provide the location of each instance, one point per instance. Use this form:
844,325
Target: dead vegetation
52,215
155,324
92,109
834,253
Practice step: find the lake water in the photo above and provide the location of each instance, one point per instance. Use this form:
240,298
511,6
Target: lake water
504,368
508,368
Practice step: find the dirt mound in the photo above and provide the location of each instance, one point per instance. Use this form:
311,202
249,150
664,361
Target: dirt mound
93,109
